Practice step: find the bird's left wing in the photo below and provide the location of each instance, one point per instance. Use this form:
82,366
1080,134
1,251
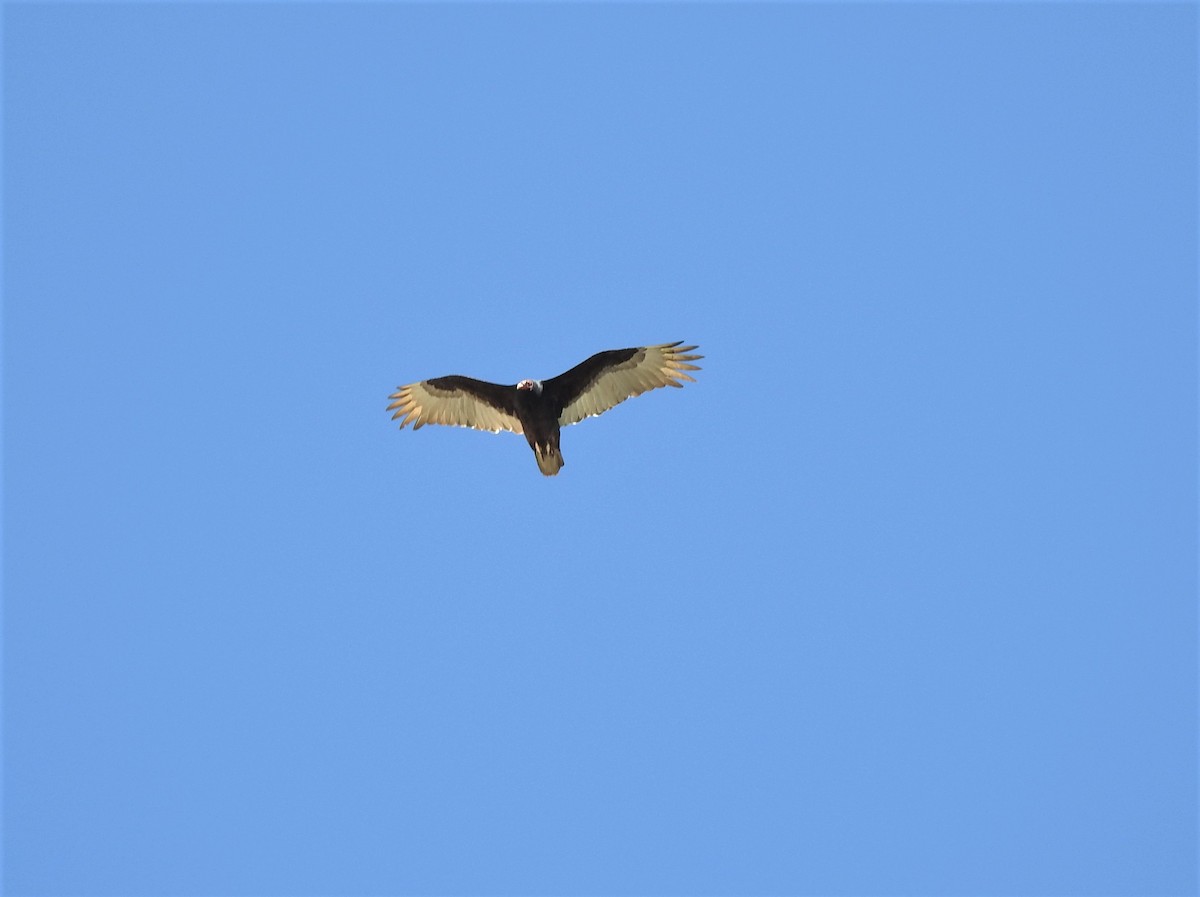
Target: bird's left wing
609,378
457,402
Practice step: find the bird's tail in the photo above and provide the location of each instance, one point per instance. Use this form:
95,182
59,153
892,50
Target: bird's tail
549,458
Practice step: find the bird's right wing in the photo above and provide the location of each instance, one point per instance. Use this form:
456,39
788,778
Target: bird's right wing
457,402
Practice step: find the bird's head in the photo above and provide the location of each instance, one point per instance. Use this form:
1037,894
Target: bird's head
533,386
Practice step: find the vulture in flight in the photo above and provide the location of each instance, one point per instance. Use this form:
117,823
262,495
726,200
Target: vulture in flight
538,408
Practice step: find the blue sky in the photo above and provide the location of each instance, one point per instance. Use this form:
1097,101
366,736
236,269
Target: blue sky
898,598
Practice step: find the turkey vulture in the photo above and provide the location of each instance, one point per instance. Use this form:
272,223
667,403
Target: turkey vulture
538,408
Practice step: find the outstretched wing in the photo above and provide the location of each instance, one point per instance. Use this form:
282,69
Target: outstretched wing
457,402
609,378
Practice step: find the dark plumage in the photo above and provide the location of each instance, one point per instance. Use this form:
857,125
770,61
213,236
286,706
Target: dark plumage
539,409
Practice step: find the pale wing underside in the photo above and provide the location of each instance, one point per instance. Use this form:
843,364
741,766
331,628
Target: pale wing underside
650,368
423,403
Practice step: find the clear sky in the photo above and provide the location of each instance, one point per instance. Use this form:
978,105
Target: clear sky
899,598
